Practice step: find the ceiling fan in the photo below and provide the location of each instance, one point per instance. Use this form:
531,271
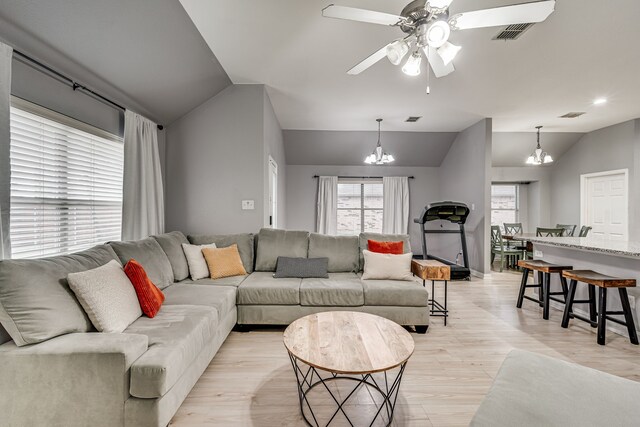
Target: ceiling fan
427,26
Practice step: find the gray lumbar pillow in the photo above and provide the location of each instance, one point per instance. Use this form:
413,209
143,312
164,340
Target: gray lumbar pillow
302,268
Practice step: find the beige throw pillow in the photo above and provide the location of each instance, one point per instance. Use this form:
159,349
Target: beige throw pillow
379,266
198,268
107,296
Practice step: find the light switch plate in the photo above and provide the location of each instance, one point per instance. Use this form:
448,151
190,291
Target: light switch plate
248,205
537,254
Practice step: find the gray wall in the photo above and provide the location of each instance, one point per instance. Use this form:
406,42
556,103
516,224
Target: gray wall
274,147
34,86
302,192
344,148
536,203
465,176
216,157
610,148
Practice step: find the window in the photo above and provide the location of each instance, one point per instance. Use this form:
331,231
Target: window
66,183
504,204
359,207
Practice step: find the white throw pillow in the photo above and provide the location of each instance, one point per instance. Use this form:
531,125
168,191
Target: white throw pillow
386,266
107,296
198,268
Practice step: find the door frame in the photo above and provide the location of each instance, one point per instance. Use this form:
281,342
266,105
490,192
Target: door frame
583,192
273,190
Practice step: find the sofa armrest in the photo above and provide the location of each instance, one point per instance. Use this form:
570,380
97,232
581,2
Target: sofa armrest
75,379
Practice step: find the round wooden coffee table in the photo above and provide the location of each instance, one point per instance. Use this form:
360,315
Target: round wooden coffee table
348,347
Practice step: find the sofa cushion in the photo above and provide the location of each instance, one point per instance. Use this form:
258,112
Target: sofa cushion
244,242
171,244
275,243
224,262
223,298
150,255
535,390
342,251
107,296
365,237
176,336
395,293
198,268
302,267
234,281
339,290
261,288
380,266
36,303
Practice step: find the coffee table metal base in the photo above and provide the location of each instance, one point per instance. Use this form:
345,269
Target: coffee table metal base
309,378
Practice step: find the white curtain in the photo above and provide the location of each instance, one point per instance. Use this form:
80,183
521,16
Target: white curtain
327,217
395,214
6,53
143,196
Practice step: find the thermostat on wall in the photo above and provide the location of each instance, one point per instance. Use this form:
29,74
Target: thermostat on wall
248,205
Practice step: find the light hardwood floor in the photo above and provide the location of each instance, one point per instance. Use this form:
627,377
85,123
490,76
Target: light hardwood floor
250,381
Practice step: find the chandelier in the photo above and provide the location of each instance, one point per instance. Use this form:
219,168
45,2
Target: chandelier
379,156
538,156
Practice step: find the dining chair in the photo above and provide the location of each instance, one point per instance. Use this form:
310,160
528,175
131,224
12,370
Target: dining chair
569,229
549,232
512,228
499,248
584,230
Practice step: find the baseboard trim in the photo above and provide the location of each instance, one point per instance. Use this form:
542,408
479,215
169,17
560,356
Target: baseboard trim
479,275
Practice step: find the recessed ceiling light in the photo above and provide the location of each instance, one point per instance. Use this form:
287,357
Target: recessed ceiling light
599,101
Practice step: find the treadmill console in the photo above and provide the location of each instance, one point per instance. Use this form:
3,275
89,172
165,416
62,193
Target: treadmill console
454,212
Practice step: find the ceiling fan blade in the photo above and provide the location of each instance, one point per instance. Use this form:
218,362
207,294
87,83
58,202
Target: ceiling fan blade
360,15
498,16
436,63
369,61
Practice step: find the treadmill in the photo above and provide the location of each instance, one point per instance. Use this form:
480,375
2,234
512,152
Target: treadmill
456,213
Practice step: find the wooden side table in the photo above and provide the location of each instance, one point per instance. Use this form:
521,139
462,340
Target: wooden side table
436,271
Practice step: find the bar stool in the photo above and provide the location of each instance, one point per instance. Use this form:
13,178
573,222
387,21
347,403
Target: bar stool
544,270
603,283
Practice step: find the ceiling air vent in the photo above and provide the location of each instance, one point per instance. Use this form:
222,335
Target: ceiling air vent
512,32
413,119
572,115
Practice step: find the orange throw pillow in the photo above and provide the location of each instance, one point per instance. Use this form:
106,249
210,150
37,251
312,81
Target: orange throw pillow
149,296
224,262
394,248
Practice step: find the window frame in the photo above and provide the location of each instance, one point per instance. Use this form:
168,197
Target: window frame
361,182
67,221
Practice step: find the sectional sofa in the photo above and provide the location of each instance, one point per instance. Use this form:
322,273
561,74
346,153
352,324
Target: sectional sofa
56,370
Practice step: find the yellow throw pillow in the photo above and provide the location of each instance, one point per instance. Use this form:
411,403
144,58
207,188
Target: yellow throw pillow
224,262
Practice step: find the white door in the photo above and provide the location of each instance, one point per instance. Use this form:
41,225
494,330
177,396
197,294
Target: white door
605,204
273,193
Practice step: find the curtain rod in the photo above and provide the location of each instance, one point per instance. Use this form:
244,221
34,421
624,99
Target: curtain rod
37,65
362,177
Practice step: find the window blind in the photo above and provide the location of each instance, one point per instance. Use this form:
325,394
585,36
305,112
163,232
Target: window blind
66,183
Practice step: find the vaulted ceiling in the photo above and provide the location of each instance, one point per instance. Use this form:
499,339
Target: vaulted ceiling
584,50
147,55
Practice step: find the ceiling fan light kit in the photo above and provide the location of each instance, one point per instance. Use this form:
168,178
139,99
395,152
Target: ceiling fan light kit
379,156
396,51
539,157
412,66
427,26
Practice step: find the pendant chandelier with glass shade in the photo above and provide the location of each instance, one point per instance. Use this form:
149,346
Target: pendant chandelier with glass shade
379,156
539,157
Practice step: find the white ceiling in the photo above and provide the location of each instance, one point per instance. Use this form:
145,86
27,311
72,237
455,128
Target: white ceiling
146,55
586,49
